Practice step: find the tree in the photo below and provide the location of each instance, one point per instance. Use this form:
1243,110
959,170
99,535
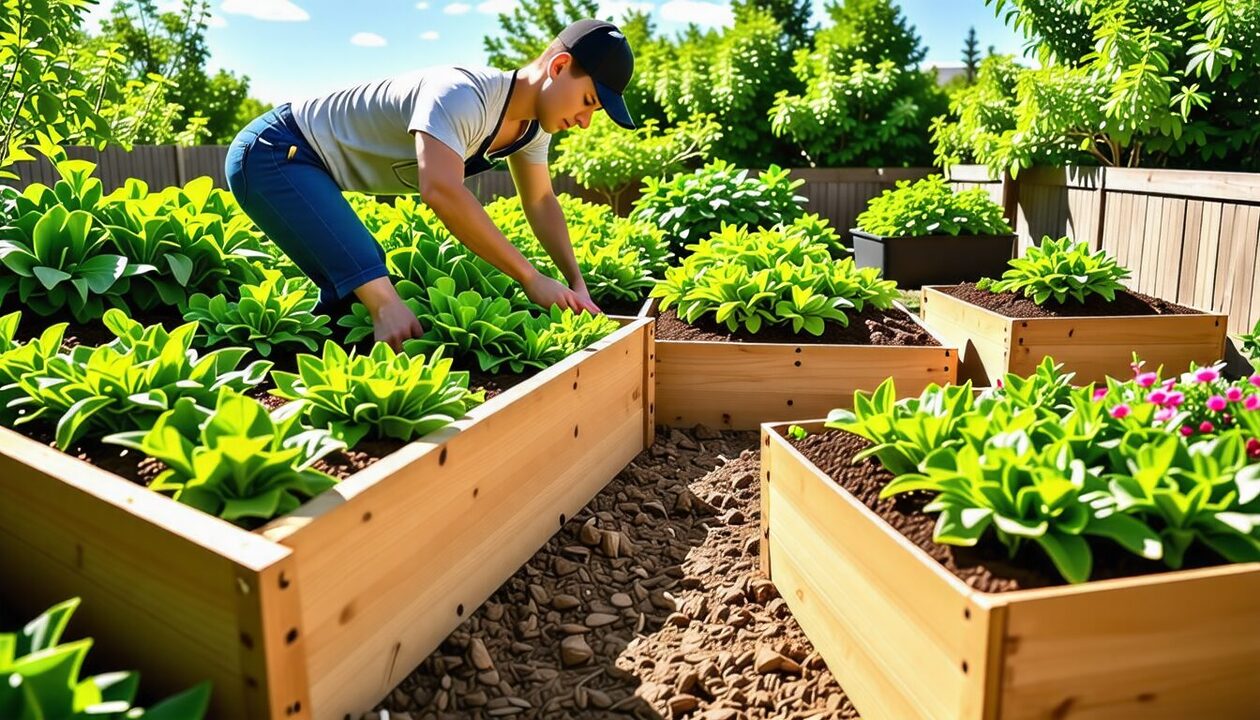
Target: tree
1124,84
531,27
971,54
172,44
864,100
794,17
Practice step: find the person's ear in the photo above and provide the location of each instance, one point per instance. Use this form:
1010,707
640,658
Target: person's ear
558,64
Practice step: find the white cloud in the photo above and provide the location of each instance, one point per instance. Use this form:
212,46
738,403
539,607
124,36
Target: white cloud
704,14
429,35
367,39
496,7
617,9
422,6
215,21
274,10
457,8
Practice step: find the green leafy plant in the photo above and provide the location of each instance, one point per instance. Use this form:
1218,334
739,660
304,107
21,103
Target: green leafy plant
276,313
127,383
237,461
931,207
382,394
56,260
1251,345
1038,460
41,679
1060,269
796,432
18,359
778,276
691,206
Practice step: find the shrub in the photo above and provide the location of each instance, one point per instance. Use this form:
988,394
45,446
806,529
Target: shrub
1060,269
931,207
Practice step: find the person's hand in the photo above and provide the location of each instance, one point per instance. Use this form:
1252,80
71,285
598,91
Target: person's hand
394,322
584,296
547,292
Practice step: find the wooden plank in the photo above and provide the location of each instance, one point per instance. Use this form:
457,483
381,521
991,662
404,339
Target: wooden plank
1189,271
972,174
1253,317
1209,242
1152,246
861,174
1224,186
1095,348
1174,645
1246,228
142,560
396,557
904,637
1174,228
737,385
981,336
1225,258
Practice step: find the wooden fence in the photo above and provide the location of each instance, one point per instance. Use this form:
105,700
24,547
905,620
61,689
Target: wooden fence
1187,236
837,194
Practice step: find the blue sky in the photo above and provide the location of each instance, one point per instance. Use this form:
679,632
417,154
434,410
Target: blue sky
295,48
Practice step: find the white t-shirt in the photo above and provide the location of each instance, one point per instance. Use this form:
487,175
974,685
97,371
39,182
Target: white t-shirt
364,133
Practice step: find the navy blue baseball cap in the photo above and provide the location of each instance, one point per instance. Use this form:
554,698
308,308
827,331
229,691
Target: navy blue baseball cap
604,53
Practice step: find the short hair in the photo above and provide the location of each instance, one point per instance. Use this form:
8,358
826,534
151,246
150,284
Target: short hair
557,47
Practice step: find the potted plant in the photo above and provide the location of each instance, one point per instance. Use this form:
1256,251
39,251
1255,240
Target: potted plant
925,233
758,325
1033,550
1063,301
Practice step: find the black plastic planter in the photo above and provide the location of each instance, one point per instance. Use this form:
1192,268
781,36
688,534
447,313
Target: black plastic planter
934,259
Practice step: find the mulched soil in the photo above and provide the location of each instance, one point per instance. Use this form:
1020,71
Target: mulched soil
869,327
1017,306
985,567
649,604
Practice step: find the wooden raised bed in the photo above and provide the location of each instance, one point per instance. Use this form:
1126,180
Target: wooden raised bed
991,344
739,385
321,613
933,259
905,638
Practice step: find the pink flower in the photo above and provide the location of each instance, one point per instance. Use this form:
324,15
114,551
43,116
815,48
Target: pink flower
1206,426
1187,431
1254,380
1216,403
1158,397
1253,447
1168,384
1252,402
1165,414
1146,379
1100,393
1234,394
1175,398
1206,375
1120,411
999,383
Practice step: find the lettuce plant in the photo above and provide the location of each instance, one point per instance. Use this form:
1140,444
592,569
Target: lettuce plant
18,359
778,276
1038,460
1060,269
382,394
275,313
237,461
556,334
57,259
470,324
127,383
931,207
40,676
691,206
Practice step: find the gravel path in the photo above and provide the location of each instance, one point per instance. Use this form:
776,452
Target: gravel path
647,604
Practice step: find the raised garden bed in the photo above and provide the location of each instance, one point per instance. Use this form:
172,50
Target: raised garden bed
907,637
992,343
933,259
735,384
320,613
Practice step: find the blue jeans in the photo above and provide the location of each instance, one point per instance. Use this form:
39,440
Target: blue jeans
284,187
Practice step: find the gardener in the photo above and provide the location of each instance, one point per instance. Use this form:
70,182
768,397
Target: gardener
427,131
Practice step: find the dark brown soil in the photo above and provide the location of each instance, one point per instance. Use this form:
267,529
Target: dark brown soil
869,327
1017,306
985,567
627,308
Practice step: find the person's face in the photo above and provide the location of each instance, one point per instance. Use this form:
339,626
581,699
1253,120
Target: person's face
566,101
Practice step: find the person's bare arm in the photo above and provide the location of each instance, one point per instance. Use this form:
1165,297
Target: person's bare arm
546,219
442,189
